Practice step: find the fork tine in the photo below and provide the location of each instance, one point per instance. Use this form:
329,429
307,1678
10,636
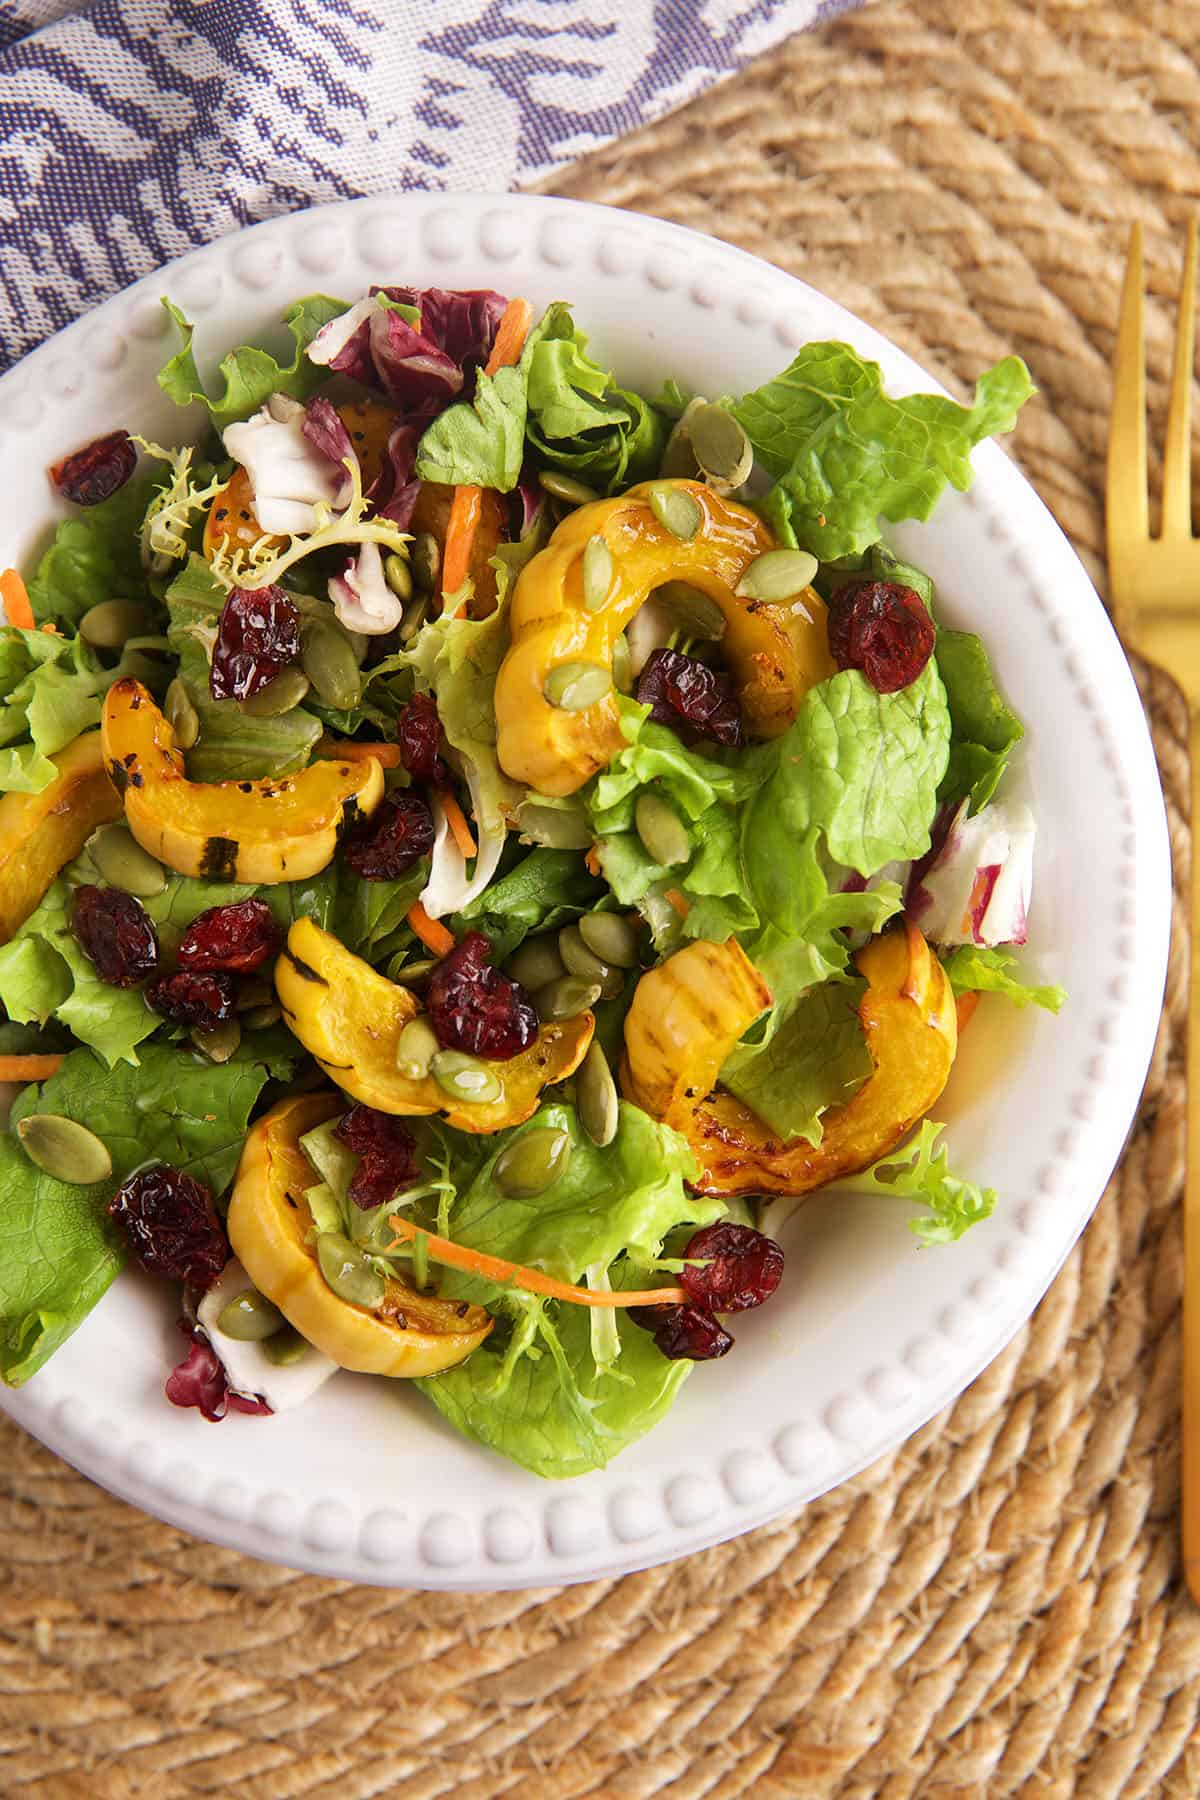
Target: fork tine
1128,506
1177,458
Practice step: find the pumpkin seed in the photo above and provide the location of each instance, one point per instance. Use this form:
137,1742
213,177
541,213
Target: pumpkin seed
663,834
220,1043
694,611
574,686
596,1097
578,958
777,575
261,1018
250,1317
330,664
536,962
720,446
254,993
533,1163
348,1273
414,617
425,561
182,715
676,510
279,696
64,1148
416,1048
611,937
558,827
565,487
678,458
124,864
598,572
108,625
285,1347
407,974
622,665
465,1078
398,575
565,998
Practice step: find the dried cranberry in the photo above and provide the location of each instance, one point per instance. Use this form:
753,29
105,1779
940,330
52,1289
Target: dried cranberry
684,1331
200,1380
172,1225
258,635
882,628
94,473
388,1152
117,935
239,938
419,735
694,700
742,1268
473,1007
398,834
204,1001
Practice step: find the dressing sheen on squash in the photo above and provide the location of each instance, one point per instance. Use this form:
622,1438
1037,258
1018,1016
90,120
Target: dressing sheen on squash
911,1026
41,833
279,828
407,1334
350,1018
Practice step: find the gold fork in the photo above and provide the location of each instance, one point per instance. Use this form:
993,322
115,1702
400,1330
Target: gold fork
1155,589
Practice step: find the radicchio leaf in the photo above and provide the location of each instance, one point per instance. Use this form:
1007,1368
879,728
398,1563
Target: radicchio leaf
393,493
325,430
200,1381
420,370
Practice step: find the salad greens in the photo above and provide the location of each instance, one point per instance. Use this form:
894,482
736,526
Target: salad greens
784,856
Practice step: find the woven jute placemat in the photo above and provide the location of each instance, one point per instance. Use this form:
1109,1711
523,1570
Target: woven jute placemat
995,1609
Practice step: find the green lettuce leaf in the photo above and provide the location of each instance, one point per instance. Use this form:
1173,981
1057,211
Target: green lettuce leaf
581,421
56,684
59,1251
232,745
249,375
858,774
93,556
537,1394
547,888
845,454
815,1058
370,914
984,729
481,441
991,971
919,1171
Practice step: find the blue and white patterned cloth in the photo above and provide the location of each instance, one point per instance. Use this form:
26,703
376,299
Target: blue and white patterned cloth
133,130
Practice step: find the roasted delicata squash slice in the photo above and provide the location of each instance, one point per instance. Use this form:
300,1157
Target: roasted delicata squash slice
910,1020
41,833
270,1227
350,1018
775,651
280,828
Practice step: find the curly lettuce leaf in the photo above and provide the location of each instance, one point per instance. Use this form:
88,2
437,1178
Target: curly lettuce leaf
984,728
59,1252
920,1171
233,746
992,971
845,454
94,555
537,1393
250,375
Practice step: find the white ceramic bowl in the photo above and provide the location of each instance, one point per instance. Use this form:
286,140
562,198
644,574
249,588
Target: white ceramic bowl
870,1335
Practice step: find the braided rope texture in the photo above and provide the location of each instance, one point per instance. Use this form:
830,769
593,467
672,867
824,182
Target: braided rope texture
994,1610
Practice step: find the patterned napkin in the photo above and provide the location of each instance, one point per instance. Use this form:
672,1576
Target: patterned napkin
133,130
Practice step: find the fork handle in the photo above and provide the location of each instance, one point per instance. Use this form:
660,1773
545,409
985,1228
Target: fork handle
1191,1207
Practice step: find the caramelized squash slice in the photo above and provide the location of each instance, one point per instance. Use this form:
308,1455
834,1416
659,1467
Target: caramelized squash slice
41,833
350,1018
910,1020
774,651
408,1334
280,828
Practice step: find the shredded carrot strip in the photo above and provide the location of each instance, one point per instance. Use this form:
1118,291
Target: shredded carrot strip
511,333
17,610
432,933
965,1005
679,901
467,506
349,750
29,1068
459,829
498,1268
592,860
